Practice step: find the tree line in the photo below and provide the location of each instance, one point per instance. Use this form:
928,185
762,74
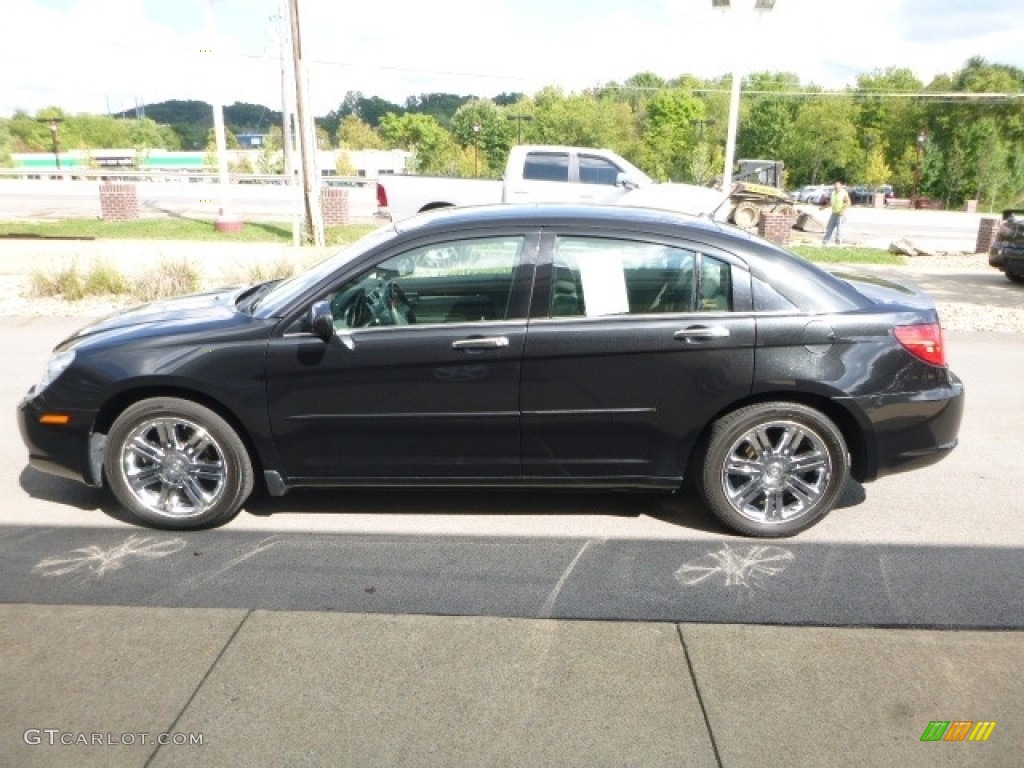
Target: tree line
957,138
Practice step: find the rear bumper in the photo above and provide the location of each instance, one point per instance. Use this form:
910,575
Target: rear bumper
1005,257
913,430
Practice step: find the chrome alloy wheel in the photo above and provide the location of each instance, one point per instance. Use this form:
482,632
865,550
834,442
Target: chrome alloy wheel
173,467
777,471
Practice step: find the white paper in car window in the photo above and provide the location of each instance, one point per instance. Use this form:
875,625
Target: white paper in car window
604,284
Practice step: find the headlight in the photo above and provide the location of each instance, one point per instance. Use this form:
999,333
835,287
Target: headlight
54,368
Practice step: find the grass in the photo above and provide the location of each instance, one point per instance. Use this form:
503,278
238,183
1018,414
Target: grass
174,229
843,255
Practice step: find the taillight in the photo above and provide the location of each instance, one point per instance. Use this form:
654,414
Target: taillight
922,341
382,196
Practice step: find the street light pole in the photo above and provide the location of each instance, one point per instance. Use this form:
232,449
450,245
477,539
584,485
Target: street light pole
734,100
922,137
54,127
519,125
226,221
476,149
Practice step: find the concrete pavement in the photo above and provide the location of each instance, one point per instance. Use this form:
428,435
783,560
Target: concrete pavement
100,686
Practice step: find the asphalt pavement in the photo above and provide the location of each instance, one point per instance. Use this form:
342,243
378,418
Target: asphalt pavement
129,647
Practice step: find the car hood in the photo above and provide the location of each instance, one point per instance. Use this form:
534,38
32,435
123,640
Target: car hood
183,310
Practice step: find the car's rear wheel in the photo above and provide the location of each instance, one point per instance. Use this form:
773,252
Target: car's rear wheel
176,464
1015,277
773,469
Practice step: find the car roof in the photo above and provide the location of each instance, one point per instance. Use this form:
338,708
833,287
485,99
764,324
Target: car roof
554,214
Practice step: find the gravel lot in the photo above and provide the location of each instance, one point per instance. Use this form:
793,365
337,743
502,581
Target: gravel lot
971,296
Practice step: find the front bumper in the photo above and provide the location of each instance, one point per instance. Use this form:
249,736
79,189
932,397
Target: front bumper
69,450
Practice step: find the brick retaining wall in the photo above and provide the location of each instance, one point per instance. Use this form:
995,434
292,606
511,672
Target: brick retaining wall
987,229
118,201
334,203
777,227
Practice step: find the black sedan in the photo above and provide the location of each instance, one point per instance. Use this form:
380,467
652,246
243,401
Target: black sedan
542,346
1007,252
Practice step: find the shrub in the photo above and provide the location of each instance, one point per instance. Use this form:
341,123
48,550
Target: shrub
67,282
104,279
169,278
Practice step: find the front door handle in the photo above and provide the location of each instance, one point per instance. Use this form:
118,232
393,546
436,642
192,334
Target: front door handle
479,343
702,333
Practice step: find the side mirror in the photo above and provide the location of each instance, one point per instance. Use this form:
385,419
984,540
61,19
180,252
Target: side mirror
321,320
627,180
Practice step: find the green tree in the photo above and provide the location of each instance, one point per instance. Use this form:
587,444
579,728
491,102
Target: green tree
271,157
877,171
824,144
343,164
353,133
669,131
6,144
582,120
441,106
483,128
890,117
993,167
434,150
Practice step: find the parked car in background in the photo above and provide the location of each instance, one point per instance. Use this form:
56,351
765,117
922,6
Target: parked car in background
545,346
1007,252
810,193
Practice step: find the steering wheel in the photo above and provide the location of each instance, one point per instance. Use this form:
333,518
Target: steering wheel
398,304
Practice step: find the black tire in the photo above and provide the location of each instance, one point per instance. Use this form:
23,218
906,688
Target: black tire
773,469
175,464
1014,277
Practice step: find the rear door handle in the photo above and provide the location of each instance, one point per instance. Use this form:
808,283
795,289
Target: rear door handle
702,333
482,342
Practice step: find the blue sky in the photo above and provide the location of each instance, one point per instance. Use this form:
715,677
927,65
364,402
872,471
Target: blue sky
88,55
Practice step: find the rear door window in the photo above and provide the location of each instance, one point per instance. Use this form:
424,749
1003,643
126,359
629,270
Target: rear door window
598,277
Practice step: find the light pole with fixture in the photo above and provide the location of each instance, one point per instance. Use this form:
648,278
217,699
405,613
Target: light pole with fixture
734,99
922,139
476,149
519,125
54,127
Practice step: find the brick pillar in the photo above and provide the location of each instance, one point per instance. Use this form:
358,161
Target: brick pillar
334,203
118,201
987,229
776,227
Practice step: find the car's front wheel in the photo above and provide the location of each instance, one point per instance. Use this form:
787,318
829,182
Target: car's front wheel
1015,277
176,464
773,469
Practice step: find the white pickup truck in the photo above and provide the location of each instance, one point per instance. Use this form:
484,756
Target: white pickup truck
549,174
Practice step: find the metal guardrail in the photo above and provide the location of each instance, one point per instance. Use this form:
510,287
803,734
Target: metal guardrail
199,177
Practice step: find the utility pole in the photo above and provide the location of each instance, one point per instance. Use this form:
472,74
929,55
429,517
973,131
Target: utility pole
307,134
291,171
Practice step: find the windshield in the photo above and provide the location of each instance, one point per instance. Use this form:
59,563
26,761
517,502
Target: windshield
272,304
